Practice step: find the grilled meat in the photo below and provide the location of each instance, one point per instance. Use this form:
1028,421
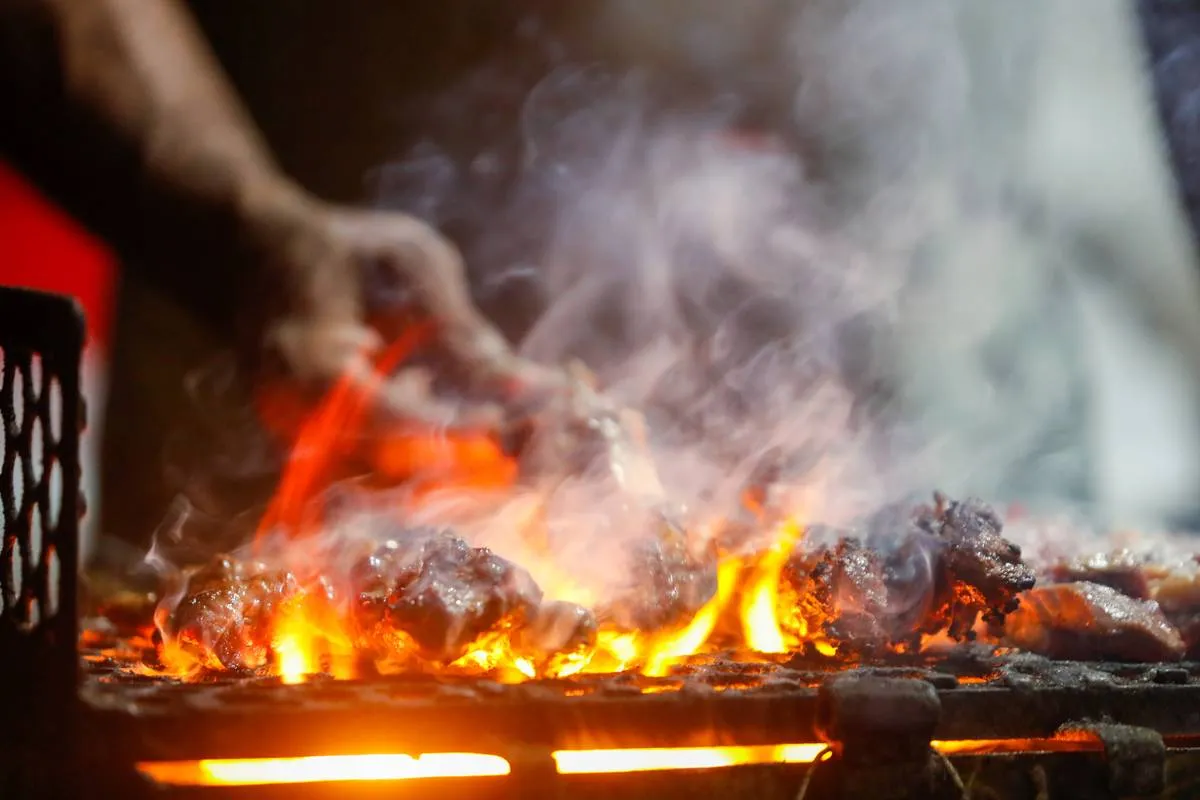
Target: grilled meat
583,433
1088,621
1177,592
440,592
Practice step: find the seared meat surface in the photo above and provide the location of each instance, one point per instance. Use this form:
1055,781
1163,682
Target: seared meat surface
559,627
439,591
1088,621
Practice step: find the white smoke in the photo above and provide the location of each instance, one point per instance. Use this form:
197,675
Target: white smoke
888,287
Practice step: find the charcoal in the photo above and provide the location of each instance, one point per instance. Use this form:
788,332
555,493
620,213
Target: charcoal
441,592
841,589
559,627
222,570
1090,622
666,585
976,571
232,619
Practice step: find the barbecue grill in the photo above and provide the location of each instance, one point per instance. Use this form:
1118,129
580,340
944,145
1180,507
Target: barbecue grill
971,722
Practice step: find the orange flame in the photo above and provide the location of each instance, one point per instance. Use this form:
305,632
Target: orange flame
322,435
760,600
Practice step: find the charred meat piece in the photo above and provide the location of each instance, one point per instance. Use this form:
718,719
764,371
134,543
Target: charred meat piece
840,590
1087,621
230,615
976,570
440,592
667,585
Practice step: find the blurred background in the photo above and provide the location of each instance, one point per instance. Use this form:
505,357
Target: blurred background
1019,182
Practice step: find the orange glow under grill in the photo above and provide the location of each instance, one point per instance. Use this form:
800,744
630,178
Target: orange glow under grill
322,769
330,769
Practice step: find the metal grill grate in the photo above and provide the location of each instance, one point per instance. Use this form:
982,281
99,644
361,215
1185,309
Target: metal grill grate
41,417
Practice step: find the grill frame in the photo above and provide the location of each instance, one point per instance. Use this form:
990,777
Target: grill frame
1022,698
42,337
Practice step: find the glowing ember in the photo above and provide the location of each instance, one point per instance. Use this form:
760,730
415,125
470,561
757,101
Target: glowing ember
591,762
322,769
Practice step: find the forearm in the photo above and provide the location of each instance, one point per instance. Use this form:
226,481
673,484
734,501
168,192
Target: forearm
119,111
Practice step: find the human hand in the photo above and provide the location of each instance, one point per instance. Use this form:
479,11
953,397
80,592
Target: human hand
314,323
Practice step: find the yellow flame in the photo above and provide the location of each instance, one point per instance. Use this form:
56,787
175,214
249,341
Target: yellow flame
303,638
760,600
689,640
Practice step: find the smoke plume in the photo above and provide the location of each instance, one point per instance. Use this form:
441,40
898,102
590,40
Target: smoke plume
784,225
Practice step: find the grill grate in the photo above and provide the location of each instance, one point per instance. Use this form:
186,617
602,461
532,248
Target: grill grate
41,416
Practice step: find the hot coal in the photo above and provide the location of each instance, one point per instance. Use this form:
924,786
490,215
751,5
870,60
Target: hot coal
841,591
559,627
950,557
229,612
667,585
1088,621
441,592
977,572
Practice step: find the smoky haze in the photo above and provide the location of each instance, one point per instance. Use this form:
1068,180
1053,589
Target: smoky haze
887,236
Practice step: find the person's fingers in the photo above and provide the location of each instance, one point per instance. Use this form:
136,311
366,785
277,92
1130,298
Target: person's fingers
315,352
426,277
